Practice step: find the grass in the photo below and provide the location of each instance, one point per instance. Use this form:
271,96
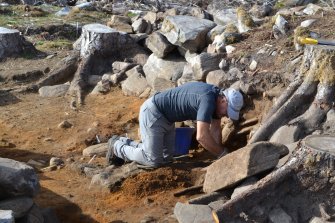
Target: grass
17,16
52,45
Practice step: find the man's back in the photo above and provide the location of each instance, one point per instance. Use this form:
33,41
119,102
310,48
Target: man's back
191,101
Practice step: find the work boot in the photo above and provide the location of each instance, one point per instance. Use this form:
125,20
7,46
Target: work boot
111,158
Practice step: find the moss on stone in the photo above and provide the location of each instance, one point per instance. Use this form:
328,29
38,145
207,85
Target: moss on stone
231,28
244,17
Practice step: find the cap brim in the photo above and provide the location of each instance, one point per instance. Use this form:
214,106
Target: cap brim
233,114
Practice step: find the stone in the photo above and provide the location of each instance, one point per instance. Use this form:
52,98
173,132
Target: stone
17,179
63,12
56,161
224,16
307,23
98,150
217,78
151,17
235,74
312,9
6,216
120,23
230,49
54,91
203,64
19,205
217,30
224,65
245,185
136,82
281,24
291,147
159,45
65,124
318,220
161,84
286,134
169,68
260,11
187,75
112,177
253,65
247,87
195,213
186,31
278,215
35,164
253,159
122,66
244,20
140,26
102,87
93,80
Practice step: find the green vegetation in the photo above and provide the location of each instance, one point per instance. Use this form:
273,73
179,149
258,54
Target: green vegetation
131,14
52,45
23,16
279,5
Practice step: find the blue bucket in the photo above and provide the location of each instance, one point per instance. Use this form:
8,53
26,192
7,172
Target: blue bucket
183,140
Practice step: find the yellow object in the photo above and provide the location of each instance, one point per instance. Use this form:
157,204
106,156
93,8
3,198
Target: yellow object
304,40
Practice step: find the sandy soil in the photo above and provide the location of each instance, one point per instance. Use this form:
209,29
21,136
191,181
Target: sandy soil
29,130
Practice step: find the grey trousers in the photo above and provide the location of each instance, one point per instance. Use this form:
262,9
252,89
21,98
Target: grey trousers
157,139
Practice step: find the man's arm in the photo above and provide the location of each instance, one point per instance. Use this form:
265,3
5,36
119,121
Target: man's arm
216,131
205,138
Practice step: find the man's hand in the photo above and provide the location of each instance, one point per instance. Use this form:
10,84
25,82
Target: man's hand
205,138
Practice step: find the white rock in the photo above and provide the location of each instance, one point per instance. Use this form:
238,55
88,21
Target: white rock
230,49
311,9
307,23
253,65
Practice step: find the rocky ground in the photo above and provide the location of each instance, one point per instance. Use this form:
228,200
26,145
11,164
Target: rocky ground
34,129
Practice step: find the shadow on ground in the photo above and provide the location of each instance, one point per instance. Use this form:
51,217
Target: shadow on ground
66,210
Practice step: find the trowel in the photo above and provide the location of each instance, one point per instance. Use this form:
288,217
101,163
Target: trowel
306,40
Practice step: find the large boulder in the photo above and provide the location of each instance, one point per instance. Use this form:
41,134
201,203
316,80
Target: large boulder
217,78
159,45
204,63
161,84
136,82
17,179
170,68
186,31
120,23
240,164
224,16
19,205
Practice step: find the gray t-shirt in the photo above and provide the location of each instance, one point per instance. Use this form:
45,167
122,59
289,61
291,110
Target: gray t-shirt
191,101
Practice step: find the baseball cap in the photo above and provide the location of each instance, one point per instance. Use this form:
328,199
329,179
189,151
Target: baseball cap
235,103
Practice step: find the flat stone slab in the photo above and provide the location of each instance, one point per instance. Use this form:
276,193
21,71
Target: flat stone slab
195,213
242,163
